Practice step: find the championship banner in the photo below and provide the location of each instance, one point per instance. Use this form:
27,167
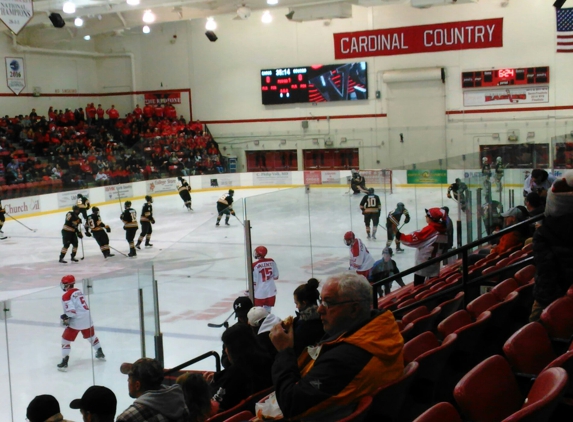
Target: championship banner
16,14
313,177
466,35
507,96
21,206
69,199
15,78
220,180
161,185
119,192
427,177
162,97
272,178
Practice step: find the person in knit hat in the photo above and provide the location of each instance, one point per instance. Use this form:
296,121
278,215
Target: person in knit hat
553,247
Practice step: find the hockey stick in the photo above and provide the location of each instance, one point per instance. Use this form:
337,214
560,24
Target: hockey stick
224,324
239,220
18,221
83,255
124,254
119,200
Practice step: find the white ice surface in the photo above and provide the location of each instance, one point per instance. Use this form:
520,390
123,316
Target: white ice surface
200,270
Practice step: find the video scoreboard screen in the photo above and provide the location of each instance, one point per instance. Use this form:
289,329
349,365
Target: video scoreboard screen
314,84
505,77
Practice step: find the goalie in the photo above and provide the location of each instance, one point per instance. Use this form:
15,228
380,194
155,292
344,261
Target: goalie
357,183
76,318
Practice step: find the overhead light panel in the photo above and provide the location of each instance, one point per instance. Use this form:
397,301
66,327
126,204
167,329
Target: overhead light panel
78,21
210,25
87,37
69,7
267,17
148,16
146,29
133,2
272,2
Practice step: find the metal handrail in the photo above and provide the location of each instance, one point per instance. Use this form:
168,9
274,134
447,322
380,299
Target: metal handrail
195,360
464,252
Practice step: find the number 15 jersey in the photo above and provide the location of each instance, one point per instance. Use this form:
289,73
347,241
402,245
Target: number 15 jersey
265,272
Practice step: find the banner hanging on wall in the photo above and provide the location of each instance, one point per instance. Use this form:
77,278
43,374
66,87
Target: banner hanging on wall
427,177
162,97
506,96
15,74
16,14
466,35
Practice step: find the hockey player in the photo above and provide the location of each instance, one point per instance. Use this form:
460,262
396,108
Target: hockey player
76,318
371,208
146,221
392,223
429,243
84,204
225,206
99,230
129,219
486,172
458,191
265,272
499,169
2,220
70,233
357,182
185,192
360,259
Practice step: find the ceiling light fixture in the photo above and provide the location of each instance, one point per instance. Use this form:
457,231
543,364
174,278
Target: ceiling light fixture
148,16
87,37
210,25
267,17
78,21
132,2
272,2
146,29
69,7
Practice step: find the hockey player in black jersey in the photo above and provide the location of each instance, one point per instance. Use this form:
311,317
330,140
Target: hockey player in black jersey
2,220
225,206
129,219
146,221
99,229
357,182
392,223
83,204
185,192
371,208
70,233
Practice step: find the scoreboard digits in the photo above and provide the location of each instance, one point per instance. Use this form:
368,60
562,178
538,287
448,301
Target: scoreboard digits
505,77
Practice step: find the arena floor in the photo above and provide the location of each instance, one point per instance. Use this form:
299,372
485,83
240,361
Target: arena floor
200,270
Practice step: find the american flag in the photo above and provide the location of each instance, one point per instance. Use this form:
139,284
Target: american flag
565,30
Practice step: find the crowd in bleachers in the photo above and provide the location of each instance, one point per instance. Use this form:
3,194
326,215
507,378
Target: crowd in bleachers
83,147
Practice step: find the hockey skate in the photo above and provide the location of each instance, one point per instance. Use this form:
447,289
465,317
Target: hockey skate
217,224
138,246
99,354
63,366
148,245
399,249
73,259
374,236
368,236
227,223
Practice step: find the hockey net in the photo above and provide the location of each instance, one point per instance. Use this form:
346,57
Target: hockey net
380,180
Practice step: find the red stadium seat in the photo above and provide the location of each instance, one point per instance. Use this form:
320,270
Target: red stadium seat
525,275
529,349
482,303
414,314
245,415
504,288
558,318
419,345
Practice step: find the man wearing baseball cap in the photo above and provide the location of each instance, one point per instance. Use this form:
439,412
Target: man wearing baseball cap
242,306
44,408
98,404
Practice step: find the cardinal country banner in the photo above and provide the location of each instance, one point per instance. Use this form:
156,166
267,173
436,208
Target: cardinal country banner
486,33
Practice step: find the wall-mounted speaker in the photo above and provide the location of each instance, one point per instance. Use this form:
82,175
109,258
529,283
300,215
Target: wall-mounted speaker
57,20
211,35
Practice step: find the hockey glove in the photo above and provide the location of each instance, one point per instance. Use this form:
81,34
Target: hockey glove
80,235
153,221
232,212
449,196
398,235
65,320
407,219
107,229
88,234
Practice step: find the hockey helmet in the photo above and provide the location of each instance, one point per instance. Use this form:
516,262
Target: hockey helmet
67,280
95,210
371,191
484,160
458,180
76,209
446,209
127,204
400,205
349,238
498,159
231,192
436,214
260,252
354,171
79,195
148,198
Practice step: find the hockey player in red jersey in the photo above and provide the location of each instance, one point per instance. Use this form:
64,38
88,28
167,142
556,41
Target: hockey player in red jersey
265,272
360,259
76,318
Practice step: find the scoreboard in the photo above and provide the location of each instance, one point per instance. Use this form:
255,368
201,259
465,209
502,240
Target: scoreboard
505,77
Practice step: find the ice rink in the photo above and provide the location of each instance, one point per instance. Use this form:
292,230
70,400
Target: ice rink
200,270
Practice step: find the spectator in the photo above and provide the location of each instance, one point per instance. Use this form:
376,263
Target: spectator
538,181
424,241
515,238
307,324
197,396
534,204
249,372
261,322
101,178
552,247
98,404
100,115
153,401
449,229
44,408
384,268
361,350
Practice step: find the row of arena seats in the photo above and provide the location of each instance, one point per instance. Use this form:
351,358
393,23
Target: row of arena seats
33,188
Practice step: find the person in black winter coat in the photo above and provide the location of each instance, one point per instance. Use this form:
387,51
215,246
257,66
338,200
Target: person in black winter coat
307,324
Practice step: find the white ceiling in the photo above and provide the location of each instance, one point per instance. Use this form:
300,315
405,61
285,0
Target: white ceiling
115,17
